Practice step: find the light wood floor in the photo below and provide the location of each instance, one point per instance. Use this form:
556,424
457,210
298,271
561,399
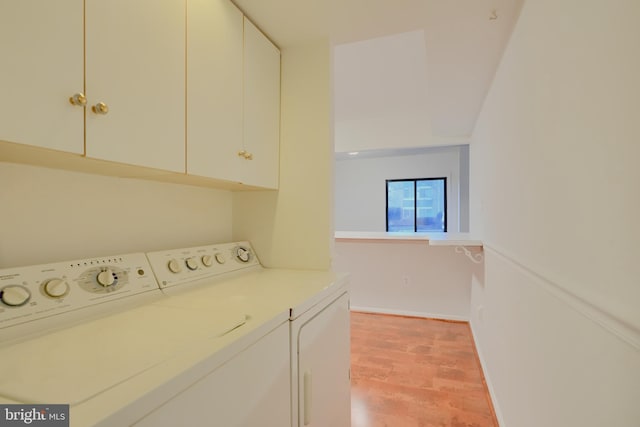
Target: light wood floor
408,372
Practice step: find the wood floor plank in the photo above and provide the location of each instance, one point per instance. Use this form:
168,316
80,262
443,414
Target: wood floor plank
418,372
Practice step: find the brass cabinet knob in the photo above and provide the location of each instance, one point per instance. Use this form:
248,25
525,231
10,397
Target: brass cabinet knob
78,99
100,108
242,153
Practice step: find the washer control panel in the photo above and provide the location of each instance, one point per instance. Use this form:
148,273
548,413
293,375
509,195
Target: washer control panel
188,265
36,292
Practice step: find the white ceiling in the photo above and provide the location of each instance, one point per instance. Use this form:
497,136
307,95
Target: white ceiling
409,72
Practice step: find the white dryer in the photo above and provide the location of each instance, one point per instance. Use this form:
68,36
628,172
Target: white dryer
320,349
317,308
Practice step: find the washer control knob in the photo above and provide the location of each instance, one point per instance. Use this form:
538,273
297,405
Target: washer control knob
106,278
174,266
56,288
192,264
243,254
207,260
220,258
14,295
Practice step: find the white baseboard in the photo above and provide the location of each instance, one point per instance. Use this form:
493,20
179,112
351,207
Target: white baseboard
487,379
438,316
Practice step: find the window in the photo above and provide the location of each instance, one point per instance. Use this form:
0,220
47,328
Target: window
417,204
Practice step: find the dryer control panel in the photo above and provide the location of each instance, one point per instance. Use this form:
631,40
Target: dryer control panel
177,267
32,293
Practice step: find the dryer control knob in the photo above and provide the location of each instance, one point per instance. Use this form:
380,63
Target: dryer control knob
207,260
106,278
14,295
220,258
56,288
174,266
192,264
243,254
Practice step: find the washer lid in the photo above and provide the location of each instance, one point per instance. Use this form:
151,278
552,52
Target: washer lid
76,364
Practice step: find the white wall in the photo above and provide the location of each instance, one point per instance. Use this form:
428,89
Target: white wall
548,361
51,215
554,195
380,99
293,228
360,191
408,278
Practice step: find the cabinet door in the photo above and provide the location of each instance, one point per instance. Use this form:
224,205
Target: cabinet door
41,46
214,89
135,64
252,389
324,387
261,107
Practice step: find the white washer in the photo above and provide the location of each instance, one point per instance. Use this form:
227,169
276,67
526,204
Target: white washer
65,338
37,299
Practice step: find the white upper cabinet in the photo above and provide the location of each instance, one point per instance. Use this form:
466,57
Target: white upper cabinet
261,108
233,97
135,80
214,90
41,47
187,86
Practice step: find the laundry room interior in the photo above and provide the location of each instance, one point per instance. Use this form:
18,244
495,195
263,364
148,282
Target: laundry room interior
527,110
